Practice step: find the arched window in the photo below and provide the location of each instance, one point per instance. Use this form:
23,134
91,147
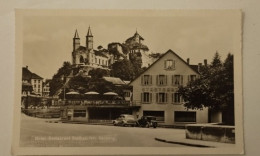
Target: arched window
81,60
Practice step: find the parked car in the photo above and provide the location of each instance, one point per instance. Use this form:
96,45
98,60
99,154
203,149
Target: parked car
125,120
147,121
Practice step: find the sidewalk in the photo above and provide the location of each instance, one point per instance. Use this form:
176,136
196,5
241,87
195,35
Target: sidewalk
80,122
181,139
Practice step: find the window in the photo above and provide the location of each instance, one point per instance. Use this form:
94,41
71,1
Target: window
177,80
192,78
34,85
146,97
161,97
127,94
162,80
79,113
182,116
34,81
39,86
169,64
102,62
95,60
176,98
39,81
147,80
158,114
39,90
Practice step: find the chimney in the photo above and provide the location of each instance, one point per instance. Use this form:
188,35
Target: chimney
199,66
205,62
188,60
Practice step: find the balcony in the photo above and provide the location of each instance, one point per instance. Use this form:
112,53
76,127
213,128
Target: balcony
102,103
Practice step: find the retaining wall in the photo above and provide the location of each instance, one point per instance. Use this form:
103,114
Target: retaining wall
207,132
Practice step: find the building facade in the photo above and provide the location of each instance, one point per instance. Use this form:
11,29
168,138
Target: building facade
33,80
46,88
156,91
86,56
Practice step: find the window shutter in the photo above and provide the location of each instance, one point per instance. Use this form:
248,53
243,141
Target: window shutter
165,76
166,97
173,64
172,79
157,97
142,97
157,77
142,79
181,79
165,64
151,80
151,95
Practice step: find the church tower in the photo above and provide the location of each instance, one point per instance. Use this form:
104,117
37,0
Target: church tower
89,40
76,41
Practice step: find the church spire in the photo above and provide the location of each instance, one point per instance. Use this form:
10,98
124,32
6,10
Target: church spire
76,34
76,41
89,40
89,32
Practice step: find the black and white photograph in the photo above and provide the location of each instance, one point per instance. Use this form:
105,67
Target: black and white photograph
128,82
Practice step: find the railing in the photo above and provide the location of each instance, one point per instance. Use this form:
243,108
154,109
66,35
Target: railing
102,102
99,102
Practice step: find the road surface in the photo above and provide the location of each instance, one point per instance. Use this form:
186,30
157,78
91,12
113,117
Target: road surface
37,132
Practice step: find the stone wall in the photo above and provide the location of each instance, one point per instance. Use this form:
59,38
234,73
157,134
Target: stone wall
208,132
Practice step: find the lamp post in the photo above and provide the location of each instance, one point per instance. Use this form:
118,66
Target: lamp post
64,82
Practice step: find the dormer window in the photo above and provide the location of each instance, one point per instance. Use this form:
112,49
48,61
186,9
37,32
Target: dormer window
169,64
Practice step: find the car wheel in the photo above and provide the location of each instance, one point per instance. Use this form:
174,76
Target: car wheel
154,125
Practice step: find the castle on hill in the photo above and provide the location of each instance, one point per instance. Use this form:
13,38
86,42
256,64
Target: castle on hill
87,58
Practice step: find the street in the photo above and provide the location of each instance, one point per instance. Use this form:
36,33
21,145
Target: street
36,132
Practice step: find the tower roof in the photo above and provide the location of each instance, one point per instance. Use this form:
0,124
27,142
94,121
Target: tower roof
76,34
136,34
89,32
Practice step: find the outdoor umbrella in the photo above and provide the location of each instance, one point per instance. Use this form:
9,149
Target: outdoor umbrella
110,93
91,93
71,93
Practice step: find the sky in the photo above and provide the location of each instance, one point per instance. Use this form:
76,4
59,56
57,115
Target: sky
47,39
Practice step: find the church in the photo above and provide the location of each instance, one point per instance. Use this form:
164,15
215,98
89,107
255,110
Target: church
88,58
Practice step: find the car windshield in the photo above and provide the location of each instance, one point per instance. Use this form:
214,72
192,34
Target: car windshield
129,117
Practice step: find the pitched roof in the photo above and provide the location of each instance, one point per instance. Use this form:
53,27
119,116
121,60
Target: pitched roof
28,75
169,51
195,67
89,32
35,76
99,53
131,38
114,80
81,48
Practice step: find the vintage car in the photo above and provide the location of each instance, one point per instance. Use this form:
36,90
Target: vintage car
125,120
147,121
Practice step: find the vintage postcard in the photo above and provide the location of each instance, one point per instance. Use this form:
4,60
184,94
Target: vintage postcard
128,82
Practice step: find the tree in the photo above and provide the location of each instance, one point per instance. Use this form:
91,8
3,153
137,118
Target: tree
98,73
79,83
123,69
100,47
213,89
58,79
